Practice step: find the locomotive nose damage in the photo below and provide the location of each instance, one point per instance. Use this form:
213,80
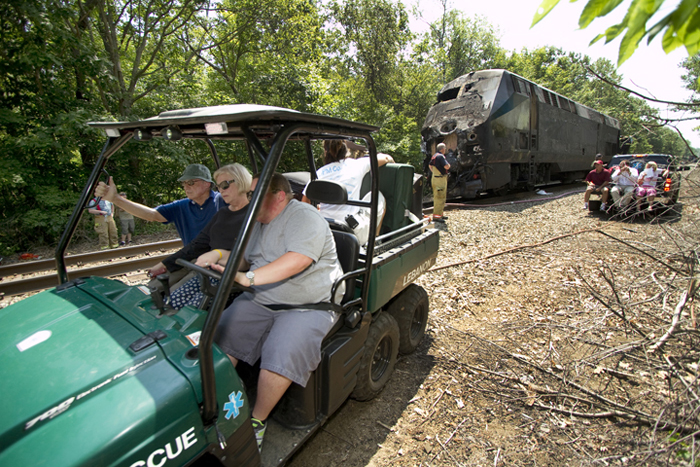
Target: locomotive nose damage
456,120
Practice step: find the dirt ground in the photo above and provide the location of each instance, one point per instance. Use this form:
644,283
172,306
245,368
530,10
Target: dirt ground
539,346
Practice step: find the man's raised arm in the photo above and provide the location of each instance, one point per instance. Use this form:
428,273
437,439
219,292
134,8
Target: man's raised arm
109,192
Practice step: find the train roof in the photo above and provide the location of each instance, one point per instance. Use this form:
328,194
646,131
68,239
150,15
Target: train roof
587,112
228,121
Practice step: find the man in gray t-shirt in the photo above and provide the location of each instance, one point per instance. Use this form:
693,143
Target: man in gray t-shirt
290,260
299,228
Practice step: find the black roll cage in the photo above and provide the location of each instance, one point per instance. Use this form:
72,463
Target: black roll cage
249,124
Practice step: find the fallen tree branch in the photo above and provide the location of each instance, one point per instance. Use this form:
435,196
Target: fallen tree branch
640,251
674,323
566,382
532,245
510,250
608,414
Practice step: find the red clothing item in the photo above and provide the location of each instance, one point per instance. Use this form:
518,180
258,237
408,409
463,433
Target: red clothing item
598,178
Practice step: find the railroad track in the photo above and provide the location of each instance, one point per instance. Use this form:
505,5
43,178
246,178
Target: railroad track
45,281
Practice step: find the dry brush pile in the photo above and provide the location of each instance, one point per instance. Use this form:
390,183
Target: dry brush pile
559,337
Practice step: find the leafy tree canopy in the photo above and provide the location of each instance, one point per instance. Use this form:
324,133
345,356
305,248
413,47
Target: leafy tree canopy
680,27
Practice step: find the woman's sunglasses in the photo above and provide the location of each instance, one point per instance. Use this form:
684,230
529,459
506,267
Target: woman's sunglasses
225,184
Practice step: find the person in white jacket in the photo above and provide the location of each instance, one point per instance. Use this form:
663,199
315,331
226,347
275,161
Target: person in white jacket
625,179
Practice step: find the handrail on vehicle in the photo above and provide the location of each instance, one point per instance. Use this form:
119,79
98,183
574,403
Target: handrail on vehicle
393,233
111,146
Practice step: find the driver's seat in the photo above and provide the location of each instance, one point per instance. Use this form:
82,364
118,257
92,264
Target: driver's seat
348,249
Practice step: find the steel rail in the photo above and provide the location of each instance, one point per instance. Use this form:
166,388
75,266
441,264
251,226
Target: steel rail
46,264
47,281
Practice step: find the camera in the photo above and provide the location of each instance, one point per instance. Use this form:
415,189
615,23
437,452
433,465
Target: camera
351,221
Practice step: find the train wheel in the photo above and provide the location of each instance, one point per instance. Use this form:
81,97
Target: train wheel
501,191
381,350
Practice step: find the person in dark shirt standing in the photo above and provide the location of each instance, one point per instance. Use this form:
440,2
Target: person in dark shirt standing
598,181
439,167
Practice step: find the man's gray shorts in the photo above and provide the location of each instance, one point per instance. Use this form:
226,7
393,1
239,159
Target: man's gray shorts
287,342
127,225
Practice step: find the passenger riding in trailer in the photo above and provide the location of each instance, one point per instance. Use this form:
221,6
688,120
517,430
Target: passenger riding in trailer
666,185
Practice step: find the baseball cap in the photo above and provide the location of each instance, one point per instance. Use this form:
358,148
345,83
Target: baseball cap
194,171
599,162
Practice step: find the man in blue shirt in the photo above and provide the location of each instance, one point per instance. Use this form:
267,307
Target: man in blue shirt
189,215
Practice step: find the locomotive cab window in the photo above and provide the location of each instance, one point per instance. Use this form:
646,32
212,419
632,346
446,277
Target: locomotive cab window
448,94
521,86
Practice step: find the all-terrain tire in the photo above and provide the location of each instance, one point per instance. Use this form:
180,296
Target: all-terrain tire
410,309
379,356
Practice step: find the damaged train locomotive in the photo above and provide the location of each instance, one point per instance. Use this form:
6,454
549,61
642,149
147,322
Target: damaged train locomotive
504,132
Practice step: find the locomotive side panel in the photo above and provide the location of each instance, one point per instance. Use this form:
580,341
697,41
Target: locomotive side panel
567,141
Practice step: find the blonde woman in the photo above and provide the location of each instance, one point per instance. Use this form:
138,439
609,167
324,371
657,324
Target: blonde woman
214,242
647,183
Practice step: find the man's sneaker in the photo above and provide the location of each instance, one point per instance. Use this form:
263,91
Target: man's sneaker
259,429
602,207
585,205
122,243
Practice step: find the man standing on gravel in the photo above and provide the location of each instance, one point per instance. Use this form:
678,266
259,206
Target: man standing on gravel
439,167
190,215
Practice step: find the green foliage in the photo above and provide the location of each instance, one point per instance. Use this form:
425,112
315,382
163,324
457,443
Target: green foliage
374,32
65,63
684,451
692,74
679,27
249,45
458,45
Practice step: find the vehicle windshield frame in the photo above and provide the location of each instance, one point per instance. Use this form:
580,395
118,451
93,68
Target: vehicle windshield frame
254,125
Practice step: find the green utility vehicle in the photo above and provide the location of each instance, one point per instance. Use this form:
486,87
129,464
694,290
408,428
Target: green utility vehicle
98,373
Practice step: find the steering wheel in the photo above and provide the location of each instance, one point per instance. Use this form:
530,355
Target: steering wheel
210,273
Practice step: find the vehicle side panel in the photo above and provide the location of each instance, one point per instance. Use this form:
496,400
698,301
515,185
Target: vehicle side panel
393,270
